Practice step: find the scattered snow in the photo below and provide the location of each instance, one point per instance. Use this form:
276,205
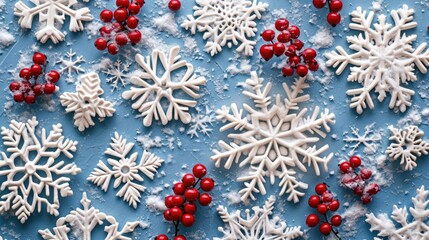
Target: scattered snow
6,38
92,28
166,23
244,68
232,197
376,5
155,204
322,39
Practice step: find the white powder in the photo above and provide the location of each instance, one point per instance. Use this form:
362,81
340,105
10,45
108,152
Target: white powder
92,28
166,23
155,204
232,197
244,68
351,217
6,38
322,39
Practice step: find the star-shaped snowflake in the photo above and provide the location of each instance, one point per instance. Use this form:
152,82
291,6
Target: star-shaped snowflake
69,65
415,230
384,59
151,89
370,139
201,122
34,175
118,73
274,138
226,22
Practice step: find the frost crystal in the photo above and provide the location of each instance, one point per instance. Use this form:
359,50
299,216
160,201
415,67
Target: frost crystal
407,145
201,122
415,230
226,22
83,221
34,175
384,58
118,73
275,138
256,227
69,65
125,170
51,17
86,103
370,139
151,90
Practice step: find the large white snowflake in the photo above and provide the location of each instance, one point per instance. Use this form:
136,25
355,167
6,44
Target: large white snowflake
256,227
125,170
418,229
70,65
51,17
370,139
118,73
407,145
152,87
226,22
384,58
275,138
83,221
34,175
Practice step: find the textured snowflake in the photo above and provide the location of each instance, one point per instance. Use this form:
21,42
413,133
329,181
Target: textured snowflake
86,103
370,139
151,90
275,138
125,170
226,22
118,73
69,65
256,227
415,230
51,17
83,221
34,175
407,145
201,122
384,58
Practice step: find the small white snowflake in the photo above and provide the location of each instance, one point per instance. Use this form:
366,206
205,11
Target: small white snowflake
86,103
151,90
370,139
34,175
201,122
83,221
69,65
256,227
407,145
275,138
125,170
118,73
51,17
384,58
226,22
415,230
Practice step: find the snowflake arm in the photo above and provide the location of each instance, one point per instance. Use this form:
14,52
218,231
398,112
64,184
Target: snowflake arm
69,65
118,74
370,139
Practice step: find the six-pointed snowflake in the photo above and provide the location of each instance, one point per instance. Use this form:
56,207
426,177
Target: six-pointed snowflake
370,139
151,90
415,230
83,221
407,145
51,17
226,22
69,65
275,138
86,103
118,73
34,175
384,58
125,170
201,122
256,227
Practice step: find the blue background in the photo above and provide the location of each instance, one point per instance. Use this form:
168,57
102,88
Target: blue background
188,151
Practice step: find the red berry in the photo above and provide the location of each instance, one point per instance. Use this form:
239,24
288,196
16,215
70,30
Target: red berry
30,98
336,220
178,201
205,199
279,48
167,214
121,39
313,65
117,27
106,15
36,70
365,173
358,190
26,86
314,201
190,208
49,88
345,167
191,194
268,35
335,5
334,205
18,97
312,220
322,208
176,213
294,32
39,58
327,197
122,3
298,44
188,220
140,2
169,202
134,8
291,51
302,70
174,5
287,71
132,22
207,184
325,228
25,73
199,170
334,18
120,14
105,31
308,54
38,89
14,86
355,161
53,76
113,48
100,44
294,60
281,24
321,188
179,188
284,36
319,3
161,237
134,36
372,188
366,199
188,180
266,51
179,237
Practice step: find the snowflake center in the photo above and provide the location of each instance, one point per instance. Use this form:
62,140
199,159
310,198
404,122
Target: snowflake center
125,169
30,168
230,18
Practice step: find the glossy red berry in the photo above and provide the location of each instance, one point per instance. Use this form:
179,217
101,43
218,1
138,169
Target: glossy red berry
355,161
25,73
179,237
308,54
135,36
169,202
294,32
312,220
188,180
18,97
120,14
36,70
298,44
358,190
176,213
190,208
14,86
284,36
140,2
207,184
191,194
268,35
373,188
366,199
278,48
117,27
205,199
281,24
199,170
106,15
122,3
327,197
53,76
334,205
345,167
179,188
167,215
291,51
39,58
314,201
313,65
365,173
266,51
105,31
121,39
174,5
100,44
287,71
113,48
30,98
161,237
333,18
178,201
38,89
336,5
294,60
188,220
302,70
319,3
134,8
132,22
336,220
322,208
321,188
325,228
49,88
25,86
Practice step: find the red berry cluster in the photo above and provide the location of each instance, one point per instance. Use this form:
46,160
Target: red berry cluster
182,206
335,6
174,5
289,45
358,181
34,82
123,30
324,202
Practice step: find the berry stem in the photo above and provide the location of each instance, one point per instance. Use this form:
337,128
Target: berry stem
336,233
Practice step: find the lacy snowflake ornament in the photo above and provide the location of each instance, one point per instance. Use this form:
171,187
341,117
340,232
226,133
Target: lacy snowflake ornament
83,221
274,138
125,169
51,17
34,175
256,227
226,22
71,63
418,229
407,145
86,102
384,58
151,89
118,73
370,139
201,122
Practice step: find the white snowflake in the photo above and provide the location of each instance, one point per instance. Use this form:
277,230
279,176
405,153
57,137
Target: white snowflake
415,230
151,90
256,227
125,170
86,103
118,73
407,145
83,221
384,58
69,65
370,139
275,138
226,22
51,17
201,122
34,175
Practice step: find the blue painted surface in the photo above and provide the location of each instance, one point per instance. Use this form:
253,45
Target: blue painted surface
94,141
